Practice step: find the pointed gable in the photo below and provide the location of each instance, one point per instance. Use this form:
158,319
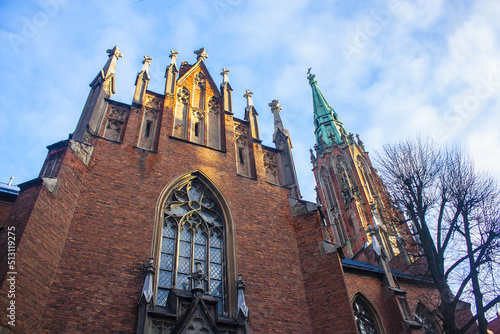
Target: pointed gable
198,318
187,71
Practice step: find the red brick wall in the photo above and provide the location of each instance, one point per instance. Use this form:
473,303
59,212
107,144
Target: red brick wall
100,277
43,242
19,215
371,286
327,297
4,211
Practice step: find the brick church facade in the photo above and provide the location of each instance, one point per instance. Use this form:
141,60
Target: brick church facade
169,215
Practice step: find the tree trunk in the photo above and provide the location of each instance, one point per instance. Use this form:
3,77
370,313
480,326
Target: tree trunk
447,310
476,289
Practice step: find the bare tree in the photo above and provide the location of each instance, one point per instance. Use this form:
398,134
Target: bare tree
454,211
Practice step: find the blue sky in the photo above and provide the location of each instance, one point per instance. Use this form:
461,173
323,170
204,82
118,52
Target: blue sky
390,69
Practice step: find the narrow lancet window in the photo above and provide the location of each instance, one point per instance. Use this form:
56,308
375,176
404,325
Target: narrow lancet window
332,207
148,129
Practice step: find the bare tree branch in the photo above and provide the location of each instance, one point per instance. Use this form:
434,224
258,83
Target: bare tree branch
453,209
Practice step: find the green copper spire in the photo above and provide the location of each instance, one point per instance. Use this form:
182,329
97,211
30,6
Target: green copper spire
327,126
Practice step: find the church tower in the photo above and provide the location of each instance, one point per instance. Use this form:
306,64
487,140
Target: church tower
355,203
358,211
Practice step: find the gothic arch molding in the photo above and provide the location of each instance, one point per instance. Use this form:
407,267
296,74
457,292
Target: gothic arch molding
365,315
345,177
181,113
229,237
425,317
366,176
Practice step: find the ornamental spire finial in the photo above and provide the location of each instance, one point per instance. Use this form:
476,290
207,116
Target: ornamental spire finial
173,56
202,55
275,105
114,52
248,96
146,62
224,74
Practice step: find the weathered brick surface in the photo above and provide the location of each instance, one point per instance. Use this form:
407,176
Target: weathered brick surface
328,302
18,217
371,288
111,237
43,241
370,285
5,209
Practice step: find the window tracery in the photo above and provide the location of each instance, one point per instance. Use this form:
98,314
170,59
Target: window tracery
193,231
347,185
114,124
365,176
200,82
183,95
424,316
214,105
271,167
364,317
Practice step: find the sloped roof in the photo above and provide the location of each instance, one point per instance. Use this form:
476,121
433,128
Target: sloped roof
354,264
12,189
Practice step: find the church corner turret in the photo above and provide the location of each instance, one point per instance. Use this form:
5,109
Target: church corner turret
101,88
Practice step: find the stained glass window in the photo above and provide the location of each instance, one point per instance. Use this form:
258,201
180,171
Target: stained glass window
193,231
365,319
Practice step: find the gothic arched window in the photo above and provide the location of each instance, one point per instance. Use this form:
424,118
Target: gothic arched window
365,317
365,176
332,207
424,316
346,180
193,231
